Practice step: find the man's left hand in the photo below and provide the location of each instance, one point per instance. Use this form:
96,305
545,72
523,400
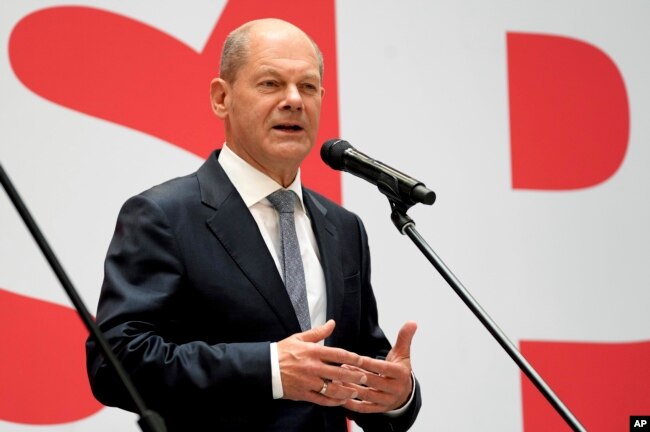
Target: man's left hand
389,383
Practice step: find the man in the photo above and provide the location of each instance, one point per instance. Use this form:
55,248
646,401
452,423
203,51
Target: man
217,326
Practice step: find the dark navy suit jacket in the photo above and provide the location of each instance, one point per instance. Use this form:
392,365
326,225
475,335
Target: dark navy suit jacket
192,299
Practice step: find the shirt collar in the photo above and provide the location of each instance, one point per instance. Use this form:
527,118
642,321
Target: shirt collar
253,185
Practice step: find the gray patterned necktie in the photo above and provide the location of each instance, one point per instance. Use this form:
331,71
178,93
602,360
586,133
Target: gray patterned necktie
294,273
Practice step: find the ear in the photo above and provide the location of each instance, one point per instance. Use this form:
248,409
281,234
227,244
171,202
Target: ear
219,94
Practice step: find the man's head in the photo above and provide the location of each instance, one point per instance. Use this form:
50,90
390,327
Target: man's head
269,95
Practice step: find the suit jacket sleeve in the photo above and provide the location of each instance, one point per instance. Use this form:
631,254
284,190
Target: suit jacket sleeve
141,314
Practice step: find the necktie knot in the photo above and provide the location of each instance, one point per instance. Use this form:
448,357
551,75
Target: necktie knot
283,200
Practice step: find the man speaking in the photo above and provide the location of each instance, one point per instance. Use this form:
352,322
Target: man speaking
235,298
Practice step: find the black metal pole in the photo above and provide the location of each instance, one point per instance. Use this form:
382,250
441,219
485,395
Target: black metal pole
149,420
406,226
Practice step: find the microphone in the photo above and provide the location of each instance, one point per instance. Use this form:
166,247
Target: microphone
397,186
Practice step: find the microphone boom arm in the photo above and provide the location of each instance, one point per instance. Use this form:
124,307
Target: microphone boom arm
406,226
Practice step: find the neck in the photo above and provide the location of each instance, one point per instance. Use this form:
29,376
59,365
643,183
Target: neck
283,173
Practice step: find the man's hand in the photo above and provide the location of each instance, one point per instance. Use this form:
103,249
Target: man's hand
306,365
389,383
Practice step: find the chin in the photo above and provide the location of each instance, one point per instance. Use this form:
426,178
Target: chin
292,149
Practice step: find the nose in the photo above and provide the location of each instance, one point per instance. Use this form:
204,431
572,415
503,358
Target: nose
292,99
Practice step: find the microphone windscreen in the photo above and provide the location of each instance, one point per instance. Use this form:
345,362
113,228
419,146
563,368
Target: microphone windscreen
332,153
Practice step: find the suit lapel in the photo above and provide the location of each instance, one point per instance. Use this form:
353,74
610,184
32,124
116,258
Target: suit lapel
330,255
237,231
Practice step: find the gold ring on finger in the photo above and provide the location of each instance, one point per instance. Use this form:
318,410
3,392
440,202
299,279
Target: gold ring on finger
324,388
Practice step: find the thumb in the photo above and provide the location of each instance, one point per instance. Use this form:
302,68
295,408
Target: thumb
319,333
402,347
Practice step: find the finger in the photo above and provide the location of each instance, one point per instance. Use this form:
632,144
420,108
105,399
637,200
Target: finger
363,407
396,379
330,394
383,382
402,347
310,390
336,373
373,395
338,390
381,367
317,334
337,356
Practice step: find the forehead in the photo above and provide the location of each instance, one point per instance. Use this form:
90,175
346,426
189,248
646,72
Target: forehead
287,49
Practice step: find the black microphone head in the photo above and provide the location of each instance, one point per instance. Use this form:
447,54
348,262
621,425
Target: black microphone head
332,153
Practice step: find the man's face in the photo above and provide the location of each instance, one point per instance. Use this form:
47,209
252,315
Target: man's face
273,107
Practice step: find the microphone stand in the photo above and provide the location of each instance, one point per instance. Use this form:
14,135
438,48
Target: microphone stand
149,421
400,204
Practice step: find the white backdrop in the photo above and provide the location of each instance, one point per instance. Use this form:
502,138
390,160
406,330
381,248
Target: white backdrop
423,86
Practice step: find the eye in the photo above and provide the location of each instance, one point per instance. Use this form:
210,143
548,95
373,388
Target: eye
268,84
309,87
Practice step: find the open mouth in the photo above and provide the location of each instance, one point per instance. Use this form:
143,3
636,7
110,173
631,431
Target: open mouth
288,127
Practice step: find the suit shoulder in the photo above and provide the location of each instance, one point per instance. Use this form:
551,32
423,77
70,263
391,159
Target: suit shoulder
175,198
173,192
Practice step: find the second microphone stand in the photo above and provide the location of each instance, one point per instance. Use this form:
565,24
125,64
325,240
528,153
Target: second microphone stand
150,421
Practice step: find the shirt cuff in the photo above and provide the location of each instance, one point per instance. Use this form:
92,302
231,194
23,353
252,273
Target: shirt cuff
399,411
276,379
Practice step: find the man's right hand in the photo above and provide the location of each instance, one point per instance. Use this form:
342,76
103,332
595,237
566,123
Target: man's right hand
305,365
